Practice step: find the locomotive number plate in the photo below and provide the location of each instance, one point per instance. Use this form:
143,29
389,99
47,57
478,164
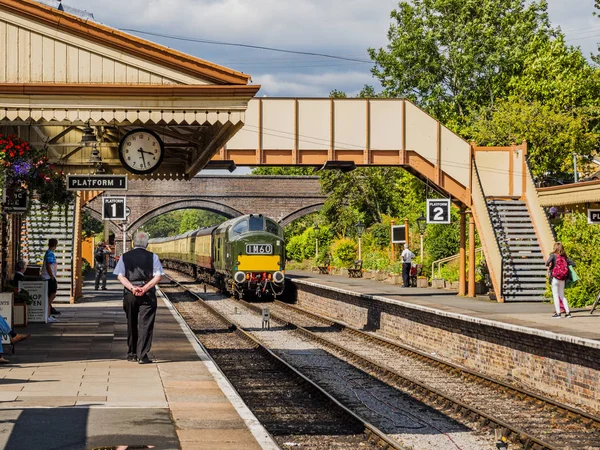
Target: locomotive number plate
259,249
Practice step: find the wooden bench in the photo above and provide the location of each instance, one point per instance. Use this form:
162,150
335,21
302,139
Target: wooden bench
356,270
324,268
415,272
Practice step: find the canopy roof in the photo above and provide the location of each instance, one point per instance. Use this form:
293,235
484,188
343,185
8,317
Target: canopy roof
59,71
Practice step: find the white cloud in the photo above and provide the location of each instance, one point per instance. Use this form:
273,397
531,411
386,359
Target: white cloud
311,85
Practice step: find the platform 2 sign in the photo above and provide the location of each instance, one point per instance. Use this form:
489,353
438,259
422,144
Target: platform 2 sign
97,182
114,208
438,210
594,216
398,234
37,310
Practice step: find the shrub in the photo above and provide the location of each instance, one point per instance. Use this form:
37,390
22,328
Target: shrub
375,259
294,249
85,266
344,252
581,241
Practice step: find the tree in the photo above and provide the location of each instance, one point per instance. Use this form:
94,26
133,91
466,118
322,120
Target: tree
90,226
453,56
553,137
164,225
193,219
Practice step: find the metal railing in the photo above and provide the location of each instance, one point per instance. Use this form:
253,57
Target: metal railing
448,259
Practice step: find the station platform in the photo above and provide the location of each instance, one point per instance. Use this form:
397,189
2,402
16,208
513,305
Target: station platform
532,318
69,386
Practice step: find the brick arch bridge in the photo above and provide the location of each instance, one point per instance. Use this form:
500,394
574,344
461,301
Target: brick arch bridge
283,198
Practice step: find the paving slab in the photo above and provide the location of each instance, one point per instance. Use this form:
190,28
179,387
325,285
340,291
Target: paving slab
70,387
584,327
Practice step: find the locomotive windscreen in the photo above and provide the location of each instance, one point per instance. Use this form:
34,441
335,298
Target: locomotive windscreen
256,223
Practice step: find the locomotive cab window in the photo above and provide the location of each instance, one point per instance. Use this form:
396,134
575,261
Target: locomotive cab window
257,223
272,228
240,228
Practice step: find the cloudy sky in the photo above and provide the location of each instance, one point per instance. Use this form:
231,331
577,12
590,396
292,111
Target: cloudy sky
335,27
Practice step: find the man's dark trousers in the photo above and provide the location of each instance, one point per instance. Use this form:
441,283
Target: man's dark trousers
406,274
100,276
140,312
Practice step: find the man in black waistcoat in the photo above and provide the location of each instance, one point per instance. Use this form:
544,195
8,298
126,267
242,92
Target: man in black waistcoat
139,271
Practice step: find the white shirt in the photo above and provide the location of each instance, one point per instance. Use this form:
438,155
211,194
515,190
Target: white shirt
157,268
407,256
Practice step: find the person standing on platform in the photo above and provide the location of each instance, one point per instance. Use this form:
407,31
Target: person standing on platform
558,270
407,257
100,263
20,272
49,267
139,271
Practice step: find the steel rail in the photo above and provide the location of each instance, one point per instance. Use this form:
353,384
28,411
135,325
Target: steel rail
431,395
373,433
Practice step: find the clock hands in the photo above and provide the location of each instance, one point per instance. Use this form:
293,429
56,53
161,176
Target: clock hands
143,159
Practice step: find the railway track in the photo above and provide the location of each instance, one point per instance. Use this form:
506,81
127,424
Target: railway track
524,418
293,409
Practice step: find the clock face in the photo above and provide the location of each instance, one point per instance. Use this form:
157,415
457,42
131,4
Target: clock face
141,151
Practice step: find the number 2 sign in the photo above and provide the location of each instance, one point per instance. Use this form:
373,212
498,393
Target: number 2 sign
113,208
438,210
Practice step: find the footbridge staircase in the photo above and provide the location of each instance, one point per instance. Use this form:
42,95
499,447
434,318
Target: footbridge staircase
493,184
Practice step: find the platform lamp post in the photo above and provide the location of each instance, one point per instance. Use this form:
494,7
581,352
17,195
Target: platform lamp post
422,225
360,229
316,228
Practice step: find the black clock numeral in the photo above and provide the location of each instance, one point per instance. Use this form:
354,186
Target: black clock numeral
133,163
155,158
154,144
127,150
129,158
141,136
128,143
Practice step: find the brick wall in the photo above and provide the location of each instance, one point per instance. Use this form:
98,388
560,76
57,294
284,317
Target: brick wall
562,370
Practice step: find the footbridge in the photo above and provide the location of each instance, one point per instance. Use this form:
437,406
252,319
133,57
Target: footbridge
492,186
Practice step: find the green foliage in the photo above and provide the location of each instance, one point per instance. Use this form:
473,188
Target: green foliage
452,56
164,225
376,259
85,266
337,94
581,241
283,170
344,252
294,249
193,219
552,136
90,226
303,246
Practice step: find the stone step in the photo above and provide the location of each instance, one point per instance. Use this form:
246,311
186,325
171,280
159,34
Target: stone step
525,272
527,279
506,202
526,261
502,214
508,287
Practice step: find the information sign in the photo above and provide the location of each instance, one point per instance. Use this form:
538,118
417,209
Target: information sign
438,210
97,182
594,216
6,312
16,201
37,310
114,208
398,234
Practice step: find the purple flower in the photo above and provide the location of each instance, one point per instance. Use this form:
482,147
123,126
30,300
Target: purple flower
553,211
22,168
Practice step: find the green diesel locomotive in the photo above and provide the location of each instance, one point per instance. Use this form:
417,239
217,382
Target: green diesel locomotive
245,255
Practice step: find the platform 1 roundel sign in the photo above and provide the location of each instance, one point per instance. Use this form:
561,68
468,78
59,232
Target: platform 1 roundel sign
438,210
114,208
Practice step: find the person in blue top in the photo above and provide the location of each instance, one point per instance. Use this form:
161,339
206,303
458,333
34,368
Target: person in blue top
49,267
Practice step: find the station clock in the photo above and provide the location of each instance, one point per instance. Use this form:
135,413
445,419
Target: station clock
141,151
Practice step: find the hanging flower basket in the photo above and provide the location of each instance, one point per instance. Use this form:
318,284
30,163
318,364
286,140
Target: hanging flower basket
23,167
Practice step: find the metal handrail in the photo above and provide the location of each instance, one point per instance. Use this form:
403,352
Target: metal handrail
439,262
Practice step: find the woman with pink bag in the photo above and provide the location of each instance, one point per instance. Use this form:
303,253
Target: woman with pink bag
558,271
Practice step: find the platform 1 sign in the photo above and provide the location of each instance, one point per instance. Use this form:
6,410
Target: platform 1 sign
438,210
97,182
398,234
37,311
114,208
594,216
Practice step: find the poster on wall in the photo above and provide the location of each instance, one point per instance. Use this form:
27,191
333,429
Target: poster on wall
37,311
6,312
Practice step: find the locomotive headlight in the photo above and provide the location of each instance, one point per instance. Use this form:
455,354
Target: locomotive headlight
239,277
278,277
